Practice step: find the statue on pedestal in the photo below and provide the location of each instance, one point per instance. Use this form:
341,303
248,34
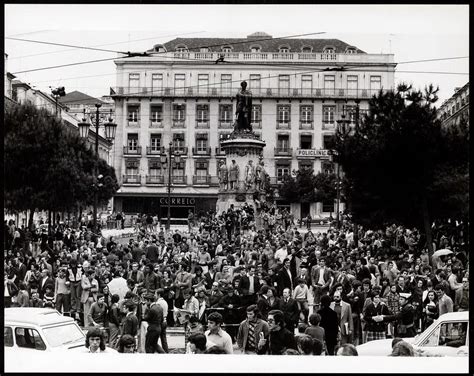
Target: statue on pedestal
233,175
261,175
249,175
223,176
243,110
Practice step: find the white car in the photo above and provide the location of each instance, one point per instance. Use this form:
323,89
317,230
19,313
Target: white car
447,336
40,329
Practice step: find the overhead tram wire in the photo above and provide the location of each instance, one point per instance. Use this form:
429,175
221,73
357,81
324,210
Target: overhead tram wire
106,44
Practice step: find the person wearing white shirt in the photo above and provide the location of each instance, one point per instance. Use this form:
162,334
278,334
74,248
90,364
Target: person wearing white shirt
216,336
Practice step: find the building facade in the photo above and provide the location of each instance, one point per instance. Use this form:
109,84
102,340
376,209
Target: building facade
183,93
455,108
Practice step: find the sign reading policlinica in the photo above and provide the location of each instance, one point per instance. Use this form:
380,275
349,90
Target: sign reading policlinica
321,153
178,201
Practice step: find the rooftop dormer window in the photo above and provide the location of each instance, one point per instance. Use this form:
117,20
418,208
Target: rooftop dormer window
181,48
307,49
351,50
284,49
204,49
226,49
254,49
329,50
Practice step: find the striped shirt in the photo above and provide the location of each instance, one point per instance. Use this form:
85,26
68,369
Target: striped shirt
251,342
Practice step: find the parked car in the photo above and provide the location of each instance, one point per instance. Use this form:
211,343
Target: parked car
447,336
40,329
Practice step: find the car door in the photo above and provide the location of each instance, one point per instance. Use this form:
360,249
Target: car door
8,337
28,339
446,339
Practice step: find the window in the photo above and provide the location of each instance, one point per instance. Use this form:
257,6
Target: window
283,142
202,113
8,336
306,114
306,84
29,338
255,81
284,84
201,171
178,171
179,112
134,82
350,50
350,112
327,167
255,49
179,83
203,83
256,116
329,50
352,85
282,170
227,49
178,141
132,141
155,142
329,113
329,142
60,335
284,49
157,83
306,49
375,84
204,49
225,113
306,141
283,114
155,168
156,113
133,113
226,84
201,142
329,84
181,48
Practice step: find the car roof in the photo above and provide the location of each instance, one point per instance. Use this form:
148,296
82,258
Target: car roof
35,316
462,315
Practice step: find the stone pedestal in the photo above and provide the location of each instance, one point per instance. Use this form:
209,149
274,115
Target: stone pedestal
240,147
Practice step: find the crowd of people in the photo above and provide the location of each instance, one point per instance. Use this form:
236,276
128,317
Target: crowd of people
241,279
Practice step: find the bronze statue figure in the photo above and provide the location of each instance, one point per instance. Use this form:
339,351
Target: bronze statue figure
244,109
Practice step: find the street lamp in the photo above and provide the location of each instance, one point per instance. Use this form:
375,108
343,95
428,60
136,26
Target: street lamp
58,92
342,126
110,128
177,159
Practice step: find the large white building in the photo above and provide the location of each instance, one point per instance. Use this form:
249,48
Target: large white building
183,93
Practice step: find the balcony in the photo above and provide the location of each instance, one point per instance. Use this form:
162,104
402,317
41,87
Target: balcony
283,125
181,150
132,179
133,123
178,124
283,152
155,151
327,126
127,150
156,123
225,124
204,152
155,179
274,92
220,152
202,124
202,180
178,180
306,125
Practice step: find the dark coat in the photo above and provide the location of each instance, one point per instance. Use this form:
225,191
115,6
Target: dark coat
284,281
209,279
130,325
42,287
154,317
330,323
290,310
278,342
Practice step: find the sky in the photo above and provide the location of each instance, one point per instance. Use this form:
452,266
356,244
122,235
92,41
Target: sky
410,32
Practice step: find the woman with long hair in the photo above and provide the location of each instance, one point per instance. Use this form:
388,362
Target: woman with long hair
430,309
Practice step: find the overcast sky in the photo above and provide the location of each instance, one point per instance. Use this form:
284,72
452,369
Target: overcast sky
410,32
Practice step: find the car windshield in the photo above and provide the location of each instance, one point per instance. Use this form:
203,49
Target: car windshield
63,334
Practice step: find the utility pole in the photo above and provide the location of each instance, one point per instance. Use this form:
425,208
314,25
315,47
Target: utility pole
169,187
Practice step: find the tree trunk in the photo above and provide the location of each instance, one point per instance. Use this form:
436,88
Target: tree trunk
427,226
30,219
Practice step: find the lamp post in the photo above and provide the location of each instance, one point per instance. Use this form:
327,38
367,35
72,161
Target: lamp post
58,92
177,159
110,128
341,130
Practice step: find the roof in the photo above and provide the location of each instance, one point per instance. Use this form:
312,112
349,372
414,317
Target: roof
79,97
35,316
461,315
269,45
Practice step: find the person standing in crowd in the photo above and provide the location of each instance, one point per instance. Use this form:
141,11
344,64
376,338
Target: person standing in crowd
290,310
344,315
215,336
90,288
280,339
154,316
405,318
75,275
197,343
373,316
330,323
320,279
62,292
249,331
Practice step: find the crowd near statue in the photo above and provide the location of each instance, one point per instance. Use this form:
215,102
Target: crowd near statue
233,175
223,176
244,109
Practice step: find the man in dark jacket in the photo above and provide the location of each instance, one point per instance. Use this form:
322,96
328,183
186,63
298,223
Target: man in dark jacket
231,304
290,310
130,322
285,277
280,338
152,252
154,317
329,322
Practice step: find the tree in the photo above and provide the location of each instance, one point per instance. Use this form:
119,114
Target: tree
48,166
400,165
